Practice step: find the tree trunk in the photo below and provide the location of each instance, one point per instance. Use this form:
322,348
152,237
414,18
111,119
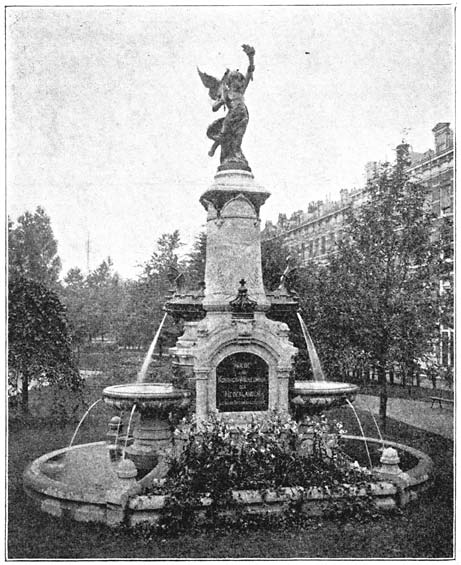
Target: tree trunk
391,376
25,393
382,395
410,380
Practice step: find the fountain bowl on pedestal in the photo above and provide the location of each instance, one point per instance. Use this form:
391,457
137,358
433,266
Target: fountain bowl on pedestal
154,402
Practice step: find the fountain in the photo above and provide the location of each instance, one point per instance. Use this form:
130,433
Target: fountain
234,353
311,397
154,402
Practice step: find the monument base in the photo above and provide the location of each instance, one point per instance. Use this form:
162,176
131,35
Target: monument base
234,167
241,366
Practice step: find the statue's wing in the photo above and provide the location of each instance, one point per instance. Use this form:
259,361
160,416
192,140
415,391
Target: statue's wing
211,83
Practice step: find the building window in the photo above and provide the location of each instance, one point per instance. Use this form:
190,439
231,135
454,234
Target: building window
446,197
441,144
447,347
323,246
436,200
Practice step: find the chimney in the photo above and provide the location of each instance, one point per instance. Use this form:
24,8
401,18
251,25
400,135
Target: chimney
282,220
443,137
403,153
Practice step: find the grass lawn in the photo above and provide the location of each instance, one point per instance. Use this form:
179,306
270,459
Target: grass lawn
423,531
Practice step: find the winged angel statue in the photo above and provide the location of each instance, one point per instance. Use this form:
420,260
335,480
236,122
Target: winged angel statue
228,131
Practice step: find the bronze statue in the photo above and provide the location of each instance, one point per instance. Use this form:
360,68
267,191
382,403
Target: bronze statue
228,131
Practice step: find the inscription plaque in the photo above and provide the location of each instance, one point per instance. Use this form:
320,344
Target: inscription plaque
242,383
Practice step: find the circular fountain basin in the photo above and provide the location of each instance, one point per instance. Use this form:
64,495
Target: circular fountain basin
82,482
148,397
310,397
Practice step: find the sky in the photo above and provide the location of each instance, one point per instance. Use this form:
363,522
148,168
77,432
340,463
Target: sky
106,114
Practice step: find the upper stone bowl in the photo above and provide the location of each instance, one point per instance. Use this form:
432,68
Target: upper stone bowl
149,397
312,397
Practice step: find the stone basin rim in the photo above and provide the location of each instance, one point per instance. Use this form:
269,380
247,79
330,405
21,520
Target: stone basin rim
144,391
57,497
323,388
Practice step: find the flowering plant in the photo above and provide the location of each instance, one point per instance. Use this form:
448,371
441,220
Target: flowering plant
268,453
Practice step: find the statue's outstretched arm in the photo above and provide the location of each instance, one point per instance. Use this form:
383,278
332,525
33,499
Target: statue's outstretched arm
250,51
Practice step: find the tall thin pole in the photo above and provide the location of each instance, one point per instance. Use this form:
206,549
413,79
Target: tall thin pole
88,253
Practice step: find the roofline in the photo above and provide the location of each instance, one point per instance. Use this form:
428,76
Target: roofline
435,157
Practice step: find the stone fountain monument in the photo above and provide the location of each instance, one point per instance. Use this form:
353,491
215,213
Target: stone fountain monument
239,359
235,354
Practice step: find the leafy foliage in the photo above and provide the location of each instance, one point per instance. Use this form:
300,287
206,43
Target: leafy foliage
219,458
377,304
195,267
146,296
95,303
74,295
39,349
105,300
387,275
32,249
274,260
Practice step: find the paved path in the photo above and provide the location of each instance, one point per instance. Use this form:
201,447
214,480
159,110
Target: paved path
413,412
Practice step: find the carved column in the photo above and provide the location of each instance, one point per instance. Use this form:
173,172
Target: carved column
282,377
201,391
233,239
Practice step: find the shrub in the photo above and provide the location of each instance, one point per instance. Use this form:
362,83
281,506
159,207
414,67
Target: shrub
218,457
39,345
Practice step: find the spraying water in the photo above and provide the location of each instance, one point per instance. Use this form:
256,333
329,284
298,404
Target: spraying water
82,420
361,430
314,358
143,372
128,430
376,423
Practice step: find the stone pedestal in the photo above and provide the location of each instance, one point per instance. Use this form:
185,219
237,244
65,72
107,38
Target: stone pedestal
154,402
152,436
233,239
241,360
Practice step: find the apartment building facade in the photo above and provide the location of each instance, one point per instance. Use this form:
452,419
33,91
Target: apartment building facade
312,234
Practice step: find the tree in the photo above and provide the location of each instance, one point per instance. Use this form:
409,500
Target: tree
146,296
32,249
318,299
95,304
105,300
274,261
39,346
275,258
386,274
195,263
75,296
163,258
